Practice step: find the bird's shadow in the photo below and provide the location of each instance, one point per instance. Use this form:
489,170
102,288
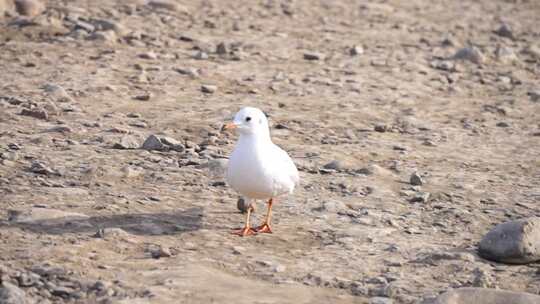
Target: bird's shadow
137,224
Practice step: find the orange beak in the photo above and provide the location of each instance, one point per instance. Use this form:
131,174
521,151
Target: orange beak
228,126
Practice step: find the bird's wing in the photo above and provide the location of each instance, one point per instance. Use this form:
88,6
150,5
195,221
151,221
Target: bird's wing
286,171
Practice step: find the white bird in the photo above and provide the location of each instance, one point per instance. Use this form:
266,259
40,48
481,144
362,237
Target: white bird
258,169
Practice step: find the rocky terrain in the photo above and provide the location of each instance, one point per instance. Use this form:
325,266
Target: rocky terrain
415,126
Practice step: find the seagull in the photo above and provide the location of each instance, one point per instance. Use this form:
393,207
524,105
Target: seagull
258,169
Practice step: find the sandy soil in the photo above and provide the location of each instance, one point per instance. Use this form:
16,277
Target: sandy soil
88,216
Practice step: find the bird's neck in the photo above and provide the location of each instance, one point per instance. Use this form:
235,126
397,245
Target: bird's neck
253,139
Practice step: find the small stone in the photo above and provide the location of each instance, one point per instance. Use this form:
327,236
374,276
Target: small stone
356,50
28,279
534,95
127,142
148,55
380,128
192,72
143,97
333,165
221,48
420,197
153,143
514,242
443,65
172,143
416,179
40,168
38,113
472,54
29,8
161,252
502,124
11,294
200,55
210,89
313,56
482,279
505,31
505,54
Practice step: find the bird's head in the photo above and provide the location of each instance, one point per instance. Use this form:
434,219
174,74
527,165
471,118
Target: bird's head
248,121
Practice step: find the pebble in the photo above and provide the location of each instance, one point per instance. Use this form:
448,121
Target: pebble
483,296
200,55
313,56
333,165
143,97
472,54
505,54
221,48
380,128
356,50
161,252
11,294
148,55
172,143
534,95
505,31
153,143
40,168
29,8
210,89
420,197
127,142
416,179
192,72
38,113
513,242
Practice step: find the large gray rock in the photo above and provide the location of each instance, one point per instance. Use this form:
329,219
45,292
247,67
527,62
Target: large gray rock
516,242
471,295
11,294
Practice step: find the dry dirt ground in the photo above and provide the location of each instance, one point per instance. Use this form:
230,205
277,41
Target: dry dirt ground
362,94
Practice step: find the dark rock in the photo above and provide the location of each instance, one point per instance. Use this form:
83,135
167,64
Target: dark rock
38,113
221,49
515,242
505,31
40,168
210,89
483,296
333,165
380,128
534,95
416,179
313,56
153,143
471,54
356,50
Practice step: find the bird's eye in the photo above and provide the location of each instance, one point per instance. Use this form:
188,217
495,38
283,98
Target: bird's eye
248,118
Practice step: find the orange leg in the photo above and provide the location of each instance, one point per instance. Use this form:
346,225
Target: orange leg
247,230
265,227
